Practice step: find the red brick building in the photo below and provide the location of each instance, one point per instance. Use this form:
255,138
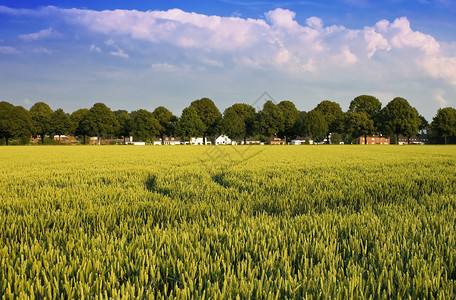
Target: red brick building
374,140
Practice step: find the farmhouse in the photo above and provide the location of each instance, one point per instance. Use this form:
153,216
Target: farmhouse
374,140
223,140
276,141
199,141
250,141
301,141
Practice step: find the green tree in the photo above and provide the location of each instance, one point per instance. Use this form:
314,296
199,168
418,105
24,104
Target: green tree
100,121
424,125
270,119
209,114
41,117
15,122
239,121
60,123
189,124
167,122
124,120
290,115
358,124
333,115
444,123
144,127
79,123
369,105
299,127
316,124
398,117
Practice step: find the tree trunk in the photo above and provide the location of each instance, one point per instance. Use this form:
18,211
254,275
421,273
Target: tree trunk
445,139
59,139
163,139
124,140
99,140
408,140
245,140
42,138
204,140
365,139
6,141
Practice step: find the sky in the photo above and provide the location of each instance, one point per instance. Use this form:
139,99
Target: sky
144,54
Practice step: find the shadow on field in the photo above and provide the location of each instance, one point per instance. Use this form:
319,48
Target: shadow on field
152,185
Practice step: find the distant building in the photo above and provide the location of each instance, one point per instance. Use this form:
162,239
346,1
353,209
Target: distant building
251,141
276,141
223,140
171,140
374,140
413,140
199,141
299,140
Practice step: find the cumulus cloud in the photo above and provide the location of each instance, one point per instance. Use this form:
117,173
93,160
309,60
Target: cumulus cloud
174,41
42,34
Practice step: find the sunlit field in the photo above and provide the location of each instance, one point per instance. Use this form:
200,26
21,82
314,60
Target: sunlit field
217,222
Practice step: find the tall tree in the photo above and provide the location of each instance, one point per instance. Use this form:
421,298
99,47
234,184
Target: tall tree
189,124
167,122
300,128
79,123
41,117
15,122
333,115
358,124
100,121
124,120
424,125
209,114
444,123
270,119
398,117
60,123
315,124
290,115
144,126
239,121
369,105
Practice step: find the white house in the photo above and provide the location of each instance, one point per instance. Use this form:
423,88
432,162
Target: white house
157,141
301,141
199,141
171,140
251,141
223,140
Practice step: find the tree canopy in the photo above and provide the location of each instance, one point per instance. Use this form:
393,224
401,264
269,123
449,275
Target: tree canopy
167,121
189,124
144,127
398,117
444,123
41,118
15,122
315,124
209,114
239,121
100,121
270,119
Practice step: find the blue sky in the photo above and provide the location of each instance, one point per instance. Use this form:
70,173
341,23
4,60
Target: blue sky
143,54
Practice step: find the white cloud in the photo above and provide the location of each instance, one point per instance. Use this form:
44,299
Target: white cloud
440,99
119,53
42,34
8,50
275,48
94,48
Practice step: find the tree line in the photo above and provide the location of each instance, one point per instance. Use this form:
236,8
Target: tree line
365,116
